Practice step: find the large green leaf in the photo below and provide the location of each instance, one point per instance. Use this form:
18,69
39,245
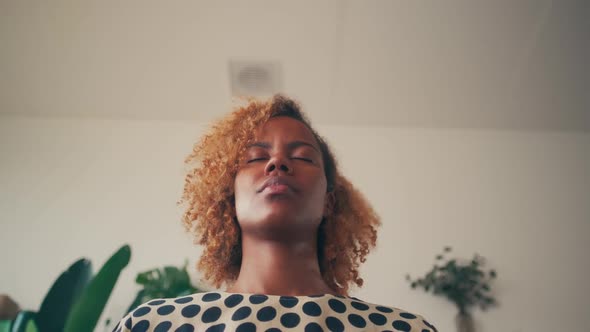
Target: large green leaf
63,294
31,326
5,325
24,321
89,307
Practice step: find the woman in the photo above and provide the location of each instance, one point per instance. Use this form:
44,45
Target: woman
280,226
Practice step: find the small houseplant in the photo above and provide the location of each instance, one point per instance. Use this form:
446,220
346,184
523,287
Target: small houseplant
165,282
76,299
464,283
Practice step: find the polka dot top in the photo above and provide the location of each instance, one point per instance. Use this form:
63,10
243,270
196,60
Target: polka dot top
220,311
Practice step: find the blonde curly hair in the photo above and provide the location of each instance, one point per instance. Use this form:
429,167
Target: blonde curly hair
345,235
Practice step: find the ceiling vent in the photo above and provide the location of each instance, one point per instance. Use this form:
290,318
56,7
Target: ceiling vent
254,78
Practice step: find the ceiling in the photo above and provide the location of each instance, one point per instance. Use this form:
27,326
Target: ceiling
514,65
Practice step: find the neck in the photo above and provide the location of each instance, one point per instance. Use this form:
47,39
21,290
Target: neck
280,267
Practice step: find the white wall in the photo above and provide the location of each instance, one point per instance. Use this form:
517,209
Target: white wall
72,187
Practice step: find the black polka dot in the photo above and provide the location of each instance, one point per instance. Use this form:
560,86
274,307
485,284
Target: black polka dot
185,328
337,306
190,311
156,302
288,301
357,320
258,298
384,309
359,305
184,300
377,319
141,311
128,323
425,330
233,300
241,313
165,310
290,319
312,309
211,297
141,326
163,327
430,325
246,327
210,315
266,314
400,325
273,329
407,315
334,324
216,328
313,327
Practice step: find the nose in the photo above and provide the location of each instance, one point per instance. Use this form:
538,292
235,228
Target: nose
278,165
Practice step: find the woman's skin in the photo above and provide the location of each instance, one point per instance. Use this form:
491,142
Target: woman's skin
279,223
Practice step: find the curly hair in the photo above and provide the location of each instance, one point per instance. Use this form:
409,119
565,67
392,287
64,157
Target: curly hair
345,235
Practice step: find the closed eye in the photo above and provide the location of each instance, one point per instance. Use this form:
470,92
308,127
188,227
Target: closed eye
255,160
304,159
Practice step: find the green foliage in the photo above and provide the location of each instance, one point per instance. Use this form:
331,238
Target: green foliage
75,300
465,284
66,290
25,322
165,282
5,325
87,310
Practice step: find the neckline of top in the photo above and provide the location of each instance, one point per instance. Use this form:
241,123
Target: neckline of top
284,296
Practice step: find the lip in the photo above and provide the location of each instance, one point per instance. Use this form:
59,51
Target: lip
276,185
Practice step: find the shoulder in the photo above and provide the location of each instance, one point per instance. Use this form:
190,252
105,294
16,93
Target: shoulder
165,312
397,318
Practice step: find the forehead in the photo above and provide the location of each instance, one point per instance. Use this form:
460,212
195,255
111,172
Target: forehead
287,129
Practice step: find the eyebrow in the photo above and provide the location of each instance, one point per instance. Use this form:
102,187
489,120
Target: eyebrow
290,145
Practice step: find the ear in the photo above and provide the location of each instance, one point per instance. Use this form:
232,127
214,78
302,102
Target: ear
329,204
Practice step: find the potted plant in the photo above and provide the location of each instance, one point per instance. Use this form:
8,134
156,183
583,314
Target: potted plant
464,283
76,299
165,282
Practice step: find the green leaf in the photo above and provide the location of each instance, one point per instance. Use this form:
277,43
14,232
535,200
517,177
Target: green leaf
62,295
165,282
87,310
144,277
23,320
31,327
5,325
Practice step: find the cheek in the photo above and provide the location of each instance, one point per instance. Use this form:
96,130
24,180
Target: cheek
320,185
242,183
238,187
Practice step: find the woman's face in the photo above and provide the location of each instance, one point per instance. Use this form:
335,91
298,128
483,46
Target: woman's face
281,186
